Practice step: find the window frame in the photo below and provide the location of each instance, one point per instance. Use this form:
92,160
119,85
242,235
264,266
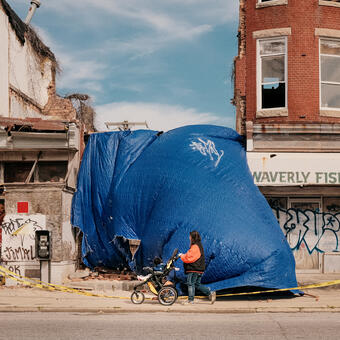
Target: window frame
329,3
259,73
326,108
269,3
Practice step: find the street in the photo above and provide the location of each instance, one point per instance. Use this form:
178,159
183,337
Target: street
75,326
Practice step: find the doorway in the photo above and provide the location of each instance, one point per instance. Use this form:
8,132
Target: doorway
305,233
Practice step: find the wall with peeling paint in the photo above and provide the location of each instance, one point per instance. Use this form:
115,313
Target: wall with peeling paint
29,74
49,209
3,64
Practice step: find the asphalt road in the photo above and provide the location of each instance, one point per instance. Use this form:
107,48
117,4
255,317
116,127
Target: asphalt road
169,326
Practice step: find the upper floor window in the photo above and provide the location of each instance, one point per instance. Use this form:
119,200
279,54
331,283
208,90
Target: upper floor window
330,73
271,75
44,171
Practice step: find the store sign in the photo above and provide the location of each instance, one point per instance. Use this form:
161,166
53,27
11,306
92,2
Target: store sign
294,168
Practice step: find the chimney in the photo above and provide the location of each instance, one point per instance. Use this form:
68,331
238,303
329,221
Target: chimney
34,5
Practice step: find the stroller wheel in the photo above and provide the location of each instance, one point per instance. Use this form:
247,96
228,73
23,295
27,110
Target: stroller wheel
167,295
137,297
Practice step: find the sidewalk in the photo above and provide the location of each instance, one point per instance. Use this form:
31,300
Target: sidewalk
21,299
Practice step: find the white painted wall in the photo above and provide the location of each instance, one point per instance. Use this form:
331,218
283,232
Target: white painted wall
4,106
18,242
28,74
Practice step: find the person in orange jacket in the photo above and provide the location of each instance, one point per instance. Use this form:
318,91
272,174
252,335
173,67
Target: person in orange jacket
194,266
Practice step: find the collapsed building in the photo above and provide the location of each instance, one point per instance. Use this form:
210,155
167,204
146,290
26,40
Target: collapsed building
41,143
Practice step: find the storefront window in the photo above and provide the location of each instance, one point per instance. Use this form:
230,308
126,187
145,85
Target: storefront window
331,205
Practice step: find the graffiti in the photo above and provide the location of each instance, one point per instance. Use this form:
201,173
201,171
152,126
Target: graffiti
15,269
208,148
18,242
316,231
15,226
18,254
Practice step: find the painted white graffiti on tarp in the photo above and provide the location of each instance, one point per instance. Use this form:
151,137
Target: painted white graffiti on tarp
208,148
319,232
18,236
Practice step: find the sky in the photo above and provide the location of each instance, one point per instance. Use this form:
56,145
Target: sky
166,62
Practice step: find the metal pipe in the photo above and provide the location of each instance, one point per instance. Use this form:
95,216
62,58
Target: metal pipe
34,5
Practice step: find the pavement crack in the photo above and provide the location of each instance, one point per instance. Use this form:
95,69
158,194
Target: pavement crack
283,331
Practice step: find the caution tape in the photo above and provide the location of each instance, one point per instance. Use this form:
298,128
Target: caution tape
54,287
50,286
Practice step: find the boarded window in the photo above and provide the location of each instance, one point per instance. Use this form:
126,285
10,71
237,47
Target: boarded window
17,171
52,171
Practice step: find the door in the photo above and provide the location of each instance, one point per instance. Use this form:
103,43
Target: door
305,232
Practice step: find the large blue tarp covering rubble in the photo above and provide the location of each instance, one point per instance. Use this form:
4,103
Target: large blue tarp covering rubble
156,188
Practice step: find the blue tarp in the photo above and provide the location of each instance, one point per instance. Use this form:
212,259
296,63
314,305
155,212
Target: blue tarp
156,188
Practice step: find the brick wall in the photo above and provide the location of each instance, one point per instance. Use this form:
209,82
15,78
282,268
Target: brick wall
303,17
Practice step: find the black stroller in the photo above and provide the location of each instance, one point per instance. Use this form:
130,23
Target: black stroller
167,294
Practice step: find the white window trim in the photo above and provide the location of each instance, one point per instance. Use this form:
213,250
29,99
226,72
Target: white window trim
326,111
327,33
272,33
329,3
260,4
277,111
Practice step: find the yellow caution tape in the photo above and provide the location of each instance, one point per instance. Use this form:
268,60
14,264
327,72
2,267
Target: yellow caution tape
50,286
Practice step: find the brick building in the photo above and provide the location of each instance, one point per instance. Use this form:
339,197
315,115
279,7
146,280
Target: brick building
287,98
41,142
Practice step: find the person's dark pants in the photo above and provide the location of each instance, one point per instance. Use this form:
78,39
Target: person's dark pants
194,282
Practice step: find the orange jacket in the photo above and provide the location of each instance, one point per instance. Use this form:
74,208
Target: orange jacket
192,255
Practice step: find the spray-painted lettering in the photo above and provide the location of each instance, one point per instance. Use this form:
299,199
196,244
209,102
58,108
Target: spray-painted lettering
316,231
208,148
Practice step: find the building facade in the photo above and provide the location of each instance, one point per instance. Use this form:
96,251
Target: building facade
41,142
287,98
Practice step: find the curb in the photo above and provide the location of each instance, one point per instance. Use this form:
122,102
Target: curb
112,310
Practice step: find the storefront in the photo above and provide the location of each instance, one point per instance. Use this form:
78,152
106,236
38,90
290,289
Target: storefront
303,190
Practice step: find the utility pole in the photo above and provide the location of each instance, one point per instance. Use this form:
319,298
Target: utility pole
125,125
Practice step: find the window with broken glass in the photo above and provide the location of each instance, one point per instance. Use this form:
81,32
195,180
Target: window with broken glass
52,171
17,172
272,73
29,172
330,74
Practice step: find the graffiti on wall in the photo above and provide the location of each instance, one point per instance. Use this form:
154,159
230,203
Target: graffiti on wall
18,237
318,232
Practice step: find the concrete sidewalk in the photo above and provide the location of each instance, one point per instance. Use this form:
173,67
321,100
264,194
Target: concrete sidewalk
21,299
25,299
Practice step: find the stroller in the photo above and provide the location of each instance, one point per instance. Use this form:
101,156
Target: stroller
167,294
